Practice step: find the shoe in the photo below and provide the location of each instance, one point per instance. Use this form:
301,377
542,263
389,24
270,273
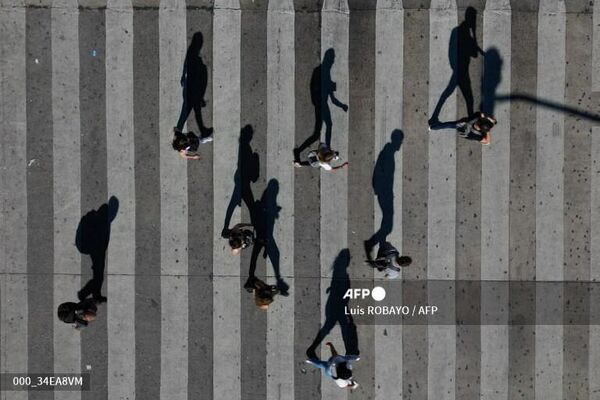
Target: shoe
205,132
206,139
297,164
100,299
249,285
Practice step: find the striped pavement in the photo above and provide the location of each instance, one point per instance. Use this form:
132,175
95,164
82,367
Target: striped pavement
90,90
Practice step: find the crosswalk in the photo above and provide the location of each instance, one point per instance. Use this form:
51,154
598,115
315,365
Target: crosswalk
90,92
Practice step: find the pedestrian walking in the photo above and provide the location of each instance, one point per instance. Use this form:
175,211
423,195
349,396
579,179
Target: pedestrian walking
338,367
186,144
388,260
79,314
241,236
263,294
321,158
477,127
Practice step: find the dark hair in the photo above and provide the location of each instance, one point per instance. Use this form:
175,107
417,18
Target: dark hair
65,312
485,125
342,371
404,261
180,141
326,154
235,242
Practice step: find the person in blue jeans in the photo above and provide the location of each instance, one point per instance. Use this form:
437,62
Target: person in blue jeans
338,368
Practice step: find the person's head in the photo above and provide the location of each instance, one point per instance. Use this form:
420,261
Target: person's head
64,311
404,261
484,125
342,371
262,301
180,141
325,154
89,316
236,245
246,134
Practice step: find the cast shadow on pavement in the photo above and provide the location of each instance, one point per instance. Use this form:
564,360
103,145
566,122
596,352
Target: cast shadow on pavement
335,309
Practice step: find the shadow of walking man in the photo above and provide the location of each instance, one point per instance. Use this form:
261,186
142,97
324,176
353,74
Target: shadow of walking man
383,186
463,46
335,309
194,81
92,238
266,213
247,172
322,88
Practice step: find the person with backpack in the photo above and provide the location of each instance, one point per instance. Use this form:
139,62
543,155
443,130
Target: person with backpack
321,158
338,368
186,144
477,127
264,294
80,314
388,260
241,236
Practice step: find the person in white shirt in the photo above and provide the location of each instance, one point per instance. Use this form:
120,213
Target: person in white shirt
322,158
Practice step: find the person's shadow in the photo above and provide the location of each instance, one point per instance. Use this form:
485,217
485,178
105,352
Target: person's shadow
194,81
265,215
248,171
492,76
335,309
322,88
92,238
383,186
463,46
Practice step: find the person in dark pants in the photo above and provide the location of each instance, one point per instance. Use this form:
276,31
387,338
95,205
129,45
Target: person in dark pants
186,144
263,294
194,81
92,237
463,47
478,127
321,158
79,314
241,236
322,88
389,260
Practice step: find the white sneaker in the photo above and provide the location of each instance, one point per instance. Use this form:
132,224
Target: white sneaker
206,139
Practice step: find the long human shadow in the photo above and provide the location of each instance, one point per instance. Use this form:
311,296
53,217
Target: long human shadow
322,89
194,80
463,46
92,238
265,215
247,172
335,309
383,186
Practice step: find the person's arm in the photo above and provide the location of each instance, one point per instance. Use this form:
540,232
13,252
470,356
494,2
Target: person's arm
189,155
344,165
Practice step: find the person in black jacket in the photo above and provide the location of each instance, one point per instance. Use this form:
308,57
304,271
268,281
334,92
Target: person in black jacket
79,314
241,236
389,260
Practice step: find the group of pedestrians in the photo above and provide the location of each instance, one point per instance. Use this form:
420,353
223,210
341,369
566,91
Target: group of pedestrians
255,235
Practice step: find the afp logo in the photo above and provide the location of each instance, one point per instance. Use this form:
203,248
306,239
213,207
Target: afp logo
377,293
